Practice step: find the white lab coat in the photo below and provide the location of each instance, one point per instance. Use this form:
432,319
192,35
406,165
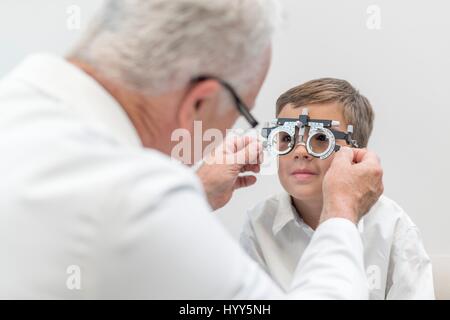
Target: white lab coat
87,212
396,263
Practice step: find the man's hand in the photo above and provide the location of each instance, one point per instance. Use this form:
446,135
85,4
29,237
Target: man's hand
220,174
352,184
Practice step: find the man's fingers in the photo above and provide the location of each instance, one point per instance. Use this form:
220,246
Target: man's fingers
255,168
364,155
370,164
362,159
251,154
244,181
236,143
369,159
357,156
344,156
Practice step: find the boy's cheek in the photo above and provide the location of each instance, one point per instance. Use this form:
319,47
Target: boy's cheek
282,168
325,164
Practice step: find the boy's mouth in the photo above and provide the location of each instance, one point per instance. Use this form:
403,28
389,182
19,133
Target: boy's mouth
303,174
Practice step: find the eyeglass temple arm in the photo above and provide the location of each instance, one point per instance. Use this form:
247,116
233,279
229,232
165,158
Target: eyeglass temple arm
345,136
243,109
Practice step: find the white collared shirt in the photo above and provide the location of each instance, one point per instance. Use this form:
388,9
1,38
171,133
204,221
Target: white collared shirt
396,263
87,212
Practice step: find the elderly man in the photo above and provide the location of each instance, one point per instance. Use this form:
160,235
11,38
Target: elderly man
92,206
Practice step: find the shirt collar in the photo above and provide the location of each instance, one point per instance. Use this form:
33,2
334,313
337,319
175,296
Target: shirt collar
63,81
286,213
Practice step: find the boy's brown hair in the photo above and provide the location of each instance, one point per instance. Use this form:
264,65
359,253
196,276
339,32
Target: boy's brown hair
357,109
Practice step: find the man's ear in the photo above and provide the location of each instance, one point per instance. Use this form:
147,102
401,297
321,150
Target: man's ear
200,101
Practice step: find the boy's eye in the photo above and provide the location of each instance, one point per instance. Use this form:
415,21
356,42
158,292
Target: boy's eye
286,138
321,138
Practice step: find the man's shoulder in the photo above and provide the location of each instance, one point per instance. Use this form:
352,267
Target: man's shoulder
147,174
165,166
52,137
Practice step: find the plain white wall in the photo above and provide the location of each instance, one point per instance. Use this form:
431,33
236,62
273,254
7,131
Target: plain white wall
402,68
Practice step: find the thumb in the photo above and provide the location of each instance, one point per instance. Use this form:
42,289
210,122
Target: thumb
360,154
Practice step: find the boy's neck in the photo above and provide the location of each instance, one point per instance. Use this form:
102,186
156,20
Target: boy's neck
309,211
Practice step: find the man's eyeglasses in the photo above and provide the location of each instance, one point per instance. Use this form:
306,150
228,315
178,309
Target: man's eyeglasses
240,105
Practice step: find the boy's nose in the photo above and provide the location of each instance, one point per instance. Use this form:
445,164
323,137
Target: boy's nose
300,152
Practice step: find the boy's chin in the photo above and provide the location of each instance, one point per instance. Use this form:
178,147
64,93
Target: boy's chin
306,192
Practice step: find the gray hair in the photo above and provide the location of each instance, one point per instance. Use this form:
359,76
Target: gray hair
155,46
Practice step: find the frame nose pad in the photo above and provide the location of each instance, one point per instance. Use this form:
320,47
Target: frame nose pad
304,152
302,141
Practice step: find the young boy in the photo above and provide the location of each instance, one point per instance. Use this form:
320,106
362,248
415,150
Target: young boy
279,229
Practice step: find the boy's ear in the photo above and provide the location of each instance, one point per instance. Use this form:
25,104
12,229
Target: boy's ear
199,102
